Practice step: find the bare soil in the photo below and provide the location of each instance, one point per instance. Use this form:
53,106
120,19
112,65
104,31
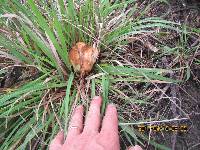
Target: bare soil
187,94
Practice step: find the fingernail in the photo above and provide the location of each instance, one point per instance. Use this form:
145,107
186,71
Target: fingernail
96,97
79,108
96,101
111,105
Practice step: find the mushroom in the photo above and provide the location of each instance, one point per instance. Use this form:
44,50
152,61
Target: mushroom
83,57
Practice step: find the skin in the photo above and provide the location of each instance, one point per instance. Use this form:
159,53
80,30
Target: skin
94,134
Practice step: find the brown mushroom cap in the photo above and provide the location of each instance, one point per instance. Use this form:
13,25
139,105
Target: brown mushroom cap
83,57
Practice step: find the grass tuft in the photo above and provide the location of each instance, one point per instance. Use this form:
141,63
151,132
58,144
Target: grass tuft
39,35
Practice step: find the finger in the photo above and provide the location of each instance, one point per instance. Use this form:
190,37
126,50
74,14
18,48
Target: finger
57,142
76,123
136,147
93,119
110,120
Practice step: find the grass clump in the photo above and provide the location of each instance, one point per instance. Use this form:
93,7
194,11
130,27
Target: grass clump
36,37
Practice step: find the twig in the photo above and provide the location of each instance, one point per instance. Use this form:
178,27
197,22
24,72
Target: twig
153,122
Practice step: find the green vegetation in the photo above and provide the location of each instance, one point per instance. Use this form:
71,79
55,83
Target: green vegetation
39,34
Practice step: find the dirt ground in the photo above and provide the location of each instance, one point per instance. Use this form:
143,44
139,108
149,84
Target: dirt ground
187,93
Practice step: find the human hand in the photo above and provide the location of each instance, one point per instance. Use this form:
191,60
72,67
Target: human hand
90,137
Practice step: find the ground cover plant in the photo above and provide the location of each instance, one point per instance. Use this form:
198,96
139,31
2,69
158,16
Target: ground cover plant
144,57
